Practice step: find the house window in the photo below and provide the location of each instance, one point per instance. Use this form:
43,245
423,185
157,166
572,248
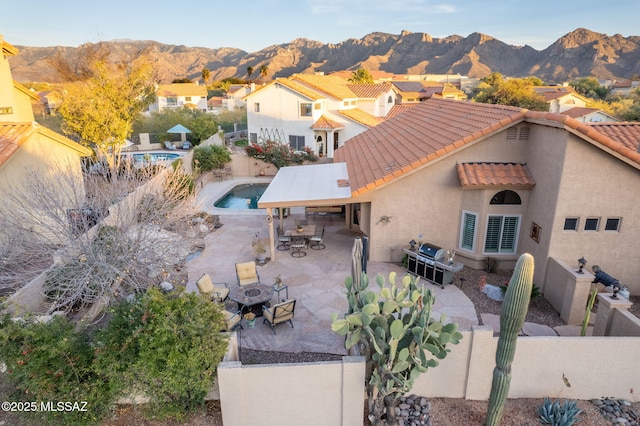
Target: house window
346,103
612,224
6,110
468,230
172,101
570,224
187,98
506,197
591,224
353,103
502,234
256,107
296,142
390,99
317,106
305,110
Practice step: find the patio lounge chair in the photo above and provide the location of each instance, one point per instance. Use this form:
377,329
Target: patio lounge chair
283,240
315,242
247,273
218,291
277,314
169,145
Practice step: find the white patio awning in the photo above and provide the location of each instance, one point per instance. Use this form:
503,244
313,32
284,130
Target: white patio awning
309,185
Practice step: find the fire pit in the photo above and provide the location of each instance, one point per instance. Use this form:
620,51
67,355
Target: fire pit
252,297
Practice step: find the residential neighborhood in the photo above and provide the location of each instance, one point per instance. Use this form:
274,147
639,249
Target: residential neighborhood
344,237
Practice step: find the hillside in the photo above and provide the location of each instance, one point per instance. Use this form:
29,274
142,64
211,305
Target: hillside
579,53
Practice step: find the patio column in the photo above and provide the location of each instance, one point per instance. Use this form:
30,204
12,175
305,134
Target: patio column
272,245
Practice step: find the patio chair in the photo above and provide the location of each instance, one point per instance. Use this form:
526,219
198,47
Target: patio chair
169,145
232,319
218,291
247,273
315,242
277,314
283,240
298,244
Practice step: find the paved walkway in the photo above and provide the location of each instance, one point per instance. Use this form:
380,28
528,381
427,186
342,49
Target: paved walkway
316,281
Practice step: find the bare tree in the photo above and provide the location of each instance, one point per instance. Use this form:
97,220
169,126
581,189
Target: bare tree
124,235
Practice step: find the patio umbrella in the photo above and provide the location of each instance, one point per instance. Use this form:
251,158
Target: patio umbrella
356,261
179,128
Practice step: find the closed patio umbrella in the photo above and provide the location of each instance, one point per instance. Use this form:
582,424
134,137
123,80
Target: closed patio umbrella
356,261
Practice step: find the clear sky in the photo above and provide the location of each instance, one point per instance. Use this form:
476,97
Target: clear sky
253,25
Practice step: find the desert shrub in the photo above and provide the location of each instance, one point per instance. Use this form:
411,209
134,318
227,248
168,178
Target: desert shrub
552,413
492,264
278,154
210,157
52,362
166,347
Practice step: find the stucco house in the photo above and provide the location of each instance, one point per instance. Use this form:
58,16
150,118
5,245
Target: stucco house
25,146
315,111
589,115
490,180
418,91
234,98
180,95
561,98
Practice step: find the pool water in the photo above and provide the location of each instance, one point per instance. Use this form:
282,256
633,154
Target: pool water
155,157
244,196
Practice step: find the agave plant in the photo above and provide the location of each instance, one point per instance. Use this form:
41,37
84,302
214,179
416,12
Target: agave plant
556,414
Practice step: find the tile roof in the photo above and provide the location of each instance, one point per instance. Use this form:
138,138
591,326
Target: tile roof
325,123
335,87
369,90
487,175
576,112
408,86
398,109
14,135
361,117
554,92
181,89
296,87
437,127
626,133
410,140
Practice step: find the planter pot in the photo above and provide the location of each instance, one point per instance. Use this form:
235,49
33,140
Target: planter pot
261,257
251,323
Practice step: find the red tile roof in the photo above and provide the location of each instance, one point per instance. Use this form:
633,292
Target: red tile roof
437,127
398,109
408,141
576,112
324,123
369,91
485,175
361,117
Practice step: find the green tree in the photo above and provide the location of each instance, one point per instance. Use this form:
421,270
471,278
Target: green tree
249,71
514,92
211,157
590,87
264,70
361,76
99,110
394,330
205,75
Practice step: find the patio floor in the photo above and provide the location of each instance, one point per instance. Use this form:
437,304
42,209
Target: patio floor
316,281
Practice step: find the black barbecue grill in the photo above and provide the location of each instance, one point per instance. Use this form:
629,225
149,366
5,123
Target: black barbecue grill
429,262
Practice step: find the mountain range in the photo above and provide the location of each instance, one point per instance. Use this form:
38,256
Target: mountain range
580,53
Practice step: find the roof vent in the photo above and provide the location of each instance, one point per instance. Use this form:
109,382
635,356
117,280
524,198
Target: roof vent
343,183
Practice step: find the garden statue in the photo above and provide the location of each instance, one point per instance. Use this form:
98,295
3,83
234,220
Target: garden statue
604,278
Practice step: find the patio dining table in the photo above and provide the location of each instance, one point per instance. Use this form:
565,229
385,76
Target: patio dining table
306,231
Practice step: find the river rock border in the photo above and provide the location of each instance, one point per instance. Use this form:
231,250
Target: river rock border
617,411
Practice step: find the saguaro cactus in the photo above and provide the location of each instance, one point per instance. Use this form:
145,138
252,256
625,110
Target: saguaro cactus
514,311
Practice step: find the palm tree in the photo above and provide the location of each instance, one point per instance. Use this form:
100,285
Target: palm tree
361,76
264,70
249,71
205,75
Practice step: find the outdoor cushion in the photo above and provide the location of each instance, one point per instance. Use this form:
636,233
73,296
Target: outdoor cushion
206,286
247,273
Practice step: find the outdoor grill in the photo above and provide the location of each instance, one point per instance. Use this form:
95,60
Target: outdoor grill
428,262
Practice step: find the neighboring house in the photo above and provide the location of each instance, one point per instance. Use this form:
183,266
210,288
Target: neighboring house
418,91
214,104
50,101
235,95
561,98
180,95
589,115
315,111
624,88
27,147
490,180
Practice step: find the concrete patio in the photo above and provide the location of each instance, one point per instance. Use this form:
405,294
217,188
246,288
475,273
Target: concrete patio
316,281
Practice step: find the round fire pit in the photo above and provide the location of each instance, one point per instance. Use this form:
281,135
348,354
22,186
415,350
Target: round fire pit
252,292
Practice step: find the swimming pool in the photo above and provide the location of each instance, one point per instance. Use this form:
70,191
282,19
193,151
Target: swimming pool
155,157
243,196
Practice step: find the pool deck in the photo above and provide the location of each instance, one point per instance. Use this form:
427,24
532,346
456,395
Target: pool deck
316,281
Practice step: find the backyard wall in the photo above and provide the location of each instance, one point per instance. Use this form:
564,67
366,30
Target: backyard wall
594,366
567,290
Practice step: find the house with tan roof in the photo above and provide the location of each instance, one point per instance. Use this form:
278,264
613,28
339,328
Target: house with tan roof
418,91
180,95
561,98
496,181
589,115
314,111
234,98
25,146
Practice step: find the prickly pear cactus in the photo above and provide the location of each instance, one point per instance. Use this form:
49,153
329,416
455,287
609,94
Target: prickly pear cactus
514,311
394,330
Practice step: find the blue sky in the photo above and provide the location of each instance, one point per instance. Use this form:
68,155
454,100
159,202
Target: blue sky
254,25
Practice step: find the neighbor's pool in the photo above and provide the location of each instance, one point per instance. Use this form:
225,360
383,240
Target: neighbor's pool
154,157
244,196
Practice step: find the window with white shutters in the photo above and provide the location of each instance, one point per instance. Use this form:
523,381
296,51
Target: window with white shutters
502,234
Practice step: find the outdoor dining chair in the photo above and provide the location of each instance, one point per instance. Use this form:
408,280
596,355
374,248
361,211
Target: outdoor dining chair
218,291
284,241
232,319
247,273
315,242
297,246
277,314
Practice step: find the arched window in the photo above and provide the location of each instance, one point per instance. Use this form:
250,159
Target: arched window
389,99
506,197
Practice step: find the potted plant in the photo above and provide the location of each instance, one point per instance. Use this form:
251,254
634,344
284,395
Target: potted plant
259,248
278,281
250,318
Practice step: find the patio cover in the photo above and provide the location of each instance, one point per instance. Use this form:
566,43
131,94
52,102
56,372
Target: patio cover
309,185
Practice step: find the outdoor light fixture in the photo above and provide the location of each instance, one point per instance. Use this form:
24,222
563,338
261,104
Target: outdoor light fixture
581,262
413,244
